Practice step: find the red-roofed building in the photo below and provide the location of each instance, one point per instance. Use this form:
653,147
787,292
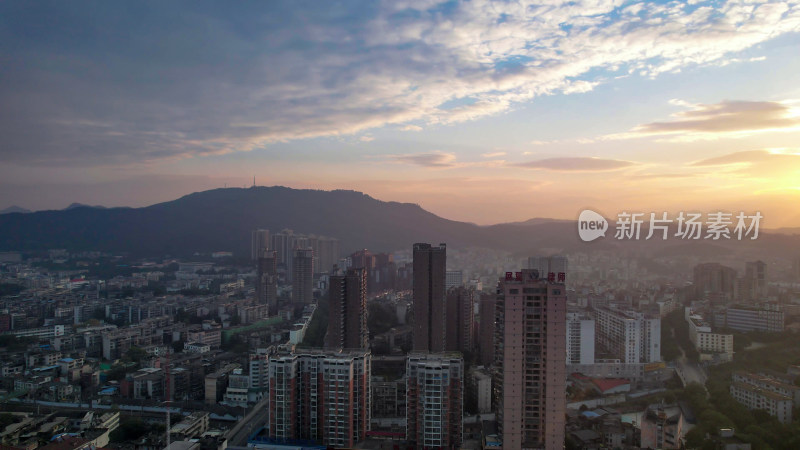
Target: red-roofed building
608,386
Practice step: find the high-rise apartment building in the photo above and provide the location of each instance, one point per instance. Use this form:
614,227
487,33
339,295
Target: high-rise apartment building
755,281
580,338
326,252
259,243
347,317
283,244
453,279
429,330
362,258
714,281
267,281
486,327
320,396
435,400
303,276
530,361
459,313
380,267
549,264
631,336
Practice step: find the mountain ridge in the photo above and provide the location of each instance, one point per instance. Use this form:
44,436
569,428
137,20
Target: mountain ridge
222,219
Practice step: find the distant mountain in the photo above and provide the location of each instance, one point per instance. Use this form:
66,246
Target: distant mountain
222,219
538,221
14,209
81,205
785,230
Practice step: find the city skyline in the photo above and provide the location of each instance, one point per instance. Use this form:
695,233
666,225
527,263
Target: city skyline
463,108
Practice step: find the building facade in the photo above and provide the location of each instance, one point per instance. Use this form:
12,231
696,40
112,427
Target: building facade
710,344
267,280
714,281
768,318
435,400
580,339
459,327
320,396
303,276
486,328
429,328
631,336
530,361
347,317
259,243
753,397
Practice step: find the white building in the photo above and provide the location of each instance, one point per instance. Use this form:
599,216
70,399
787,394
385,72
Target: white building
708,343
196,347
580,339
769,384
751,318
631,336
777,405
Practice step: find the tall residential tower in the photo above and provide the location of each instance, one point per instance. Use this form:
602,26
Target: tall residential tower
347,319
429,298
530,361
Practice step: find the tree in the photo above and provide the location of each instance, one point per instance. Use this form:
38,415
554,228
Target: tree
177,346
136,354
129,430
10,289
7,419
380,318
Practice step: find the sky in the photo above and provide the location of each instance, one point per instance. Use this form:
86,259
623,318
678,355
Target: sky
479,111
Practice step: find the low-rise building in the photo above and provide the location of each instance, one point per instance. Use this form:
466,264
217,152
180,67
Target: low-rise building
768,318
711,345
196,347
769,383
192,426
777,405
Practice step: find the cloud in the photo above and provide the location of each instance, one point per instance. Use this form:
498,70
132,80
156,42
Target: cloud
412,128
438,160
776,165
493,154
130,84
724,119
366,139
577,164
666,176
751,157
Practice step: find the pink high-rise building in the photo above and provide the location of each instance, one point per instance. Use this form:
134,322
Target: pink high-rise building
530,361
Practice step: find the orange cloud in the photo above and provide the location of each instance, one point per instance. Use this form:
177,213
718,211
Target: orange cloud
724,119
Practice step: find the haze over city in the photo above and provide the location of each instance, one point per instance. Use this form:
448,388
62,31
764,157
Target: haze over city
478,111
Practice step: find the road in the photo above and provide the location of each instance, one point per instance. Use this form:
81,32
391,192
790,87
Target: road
690,372
257,417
